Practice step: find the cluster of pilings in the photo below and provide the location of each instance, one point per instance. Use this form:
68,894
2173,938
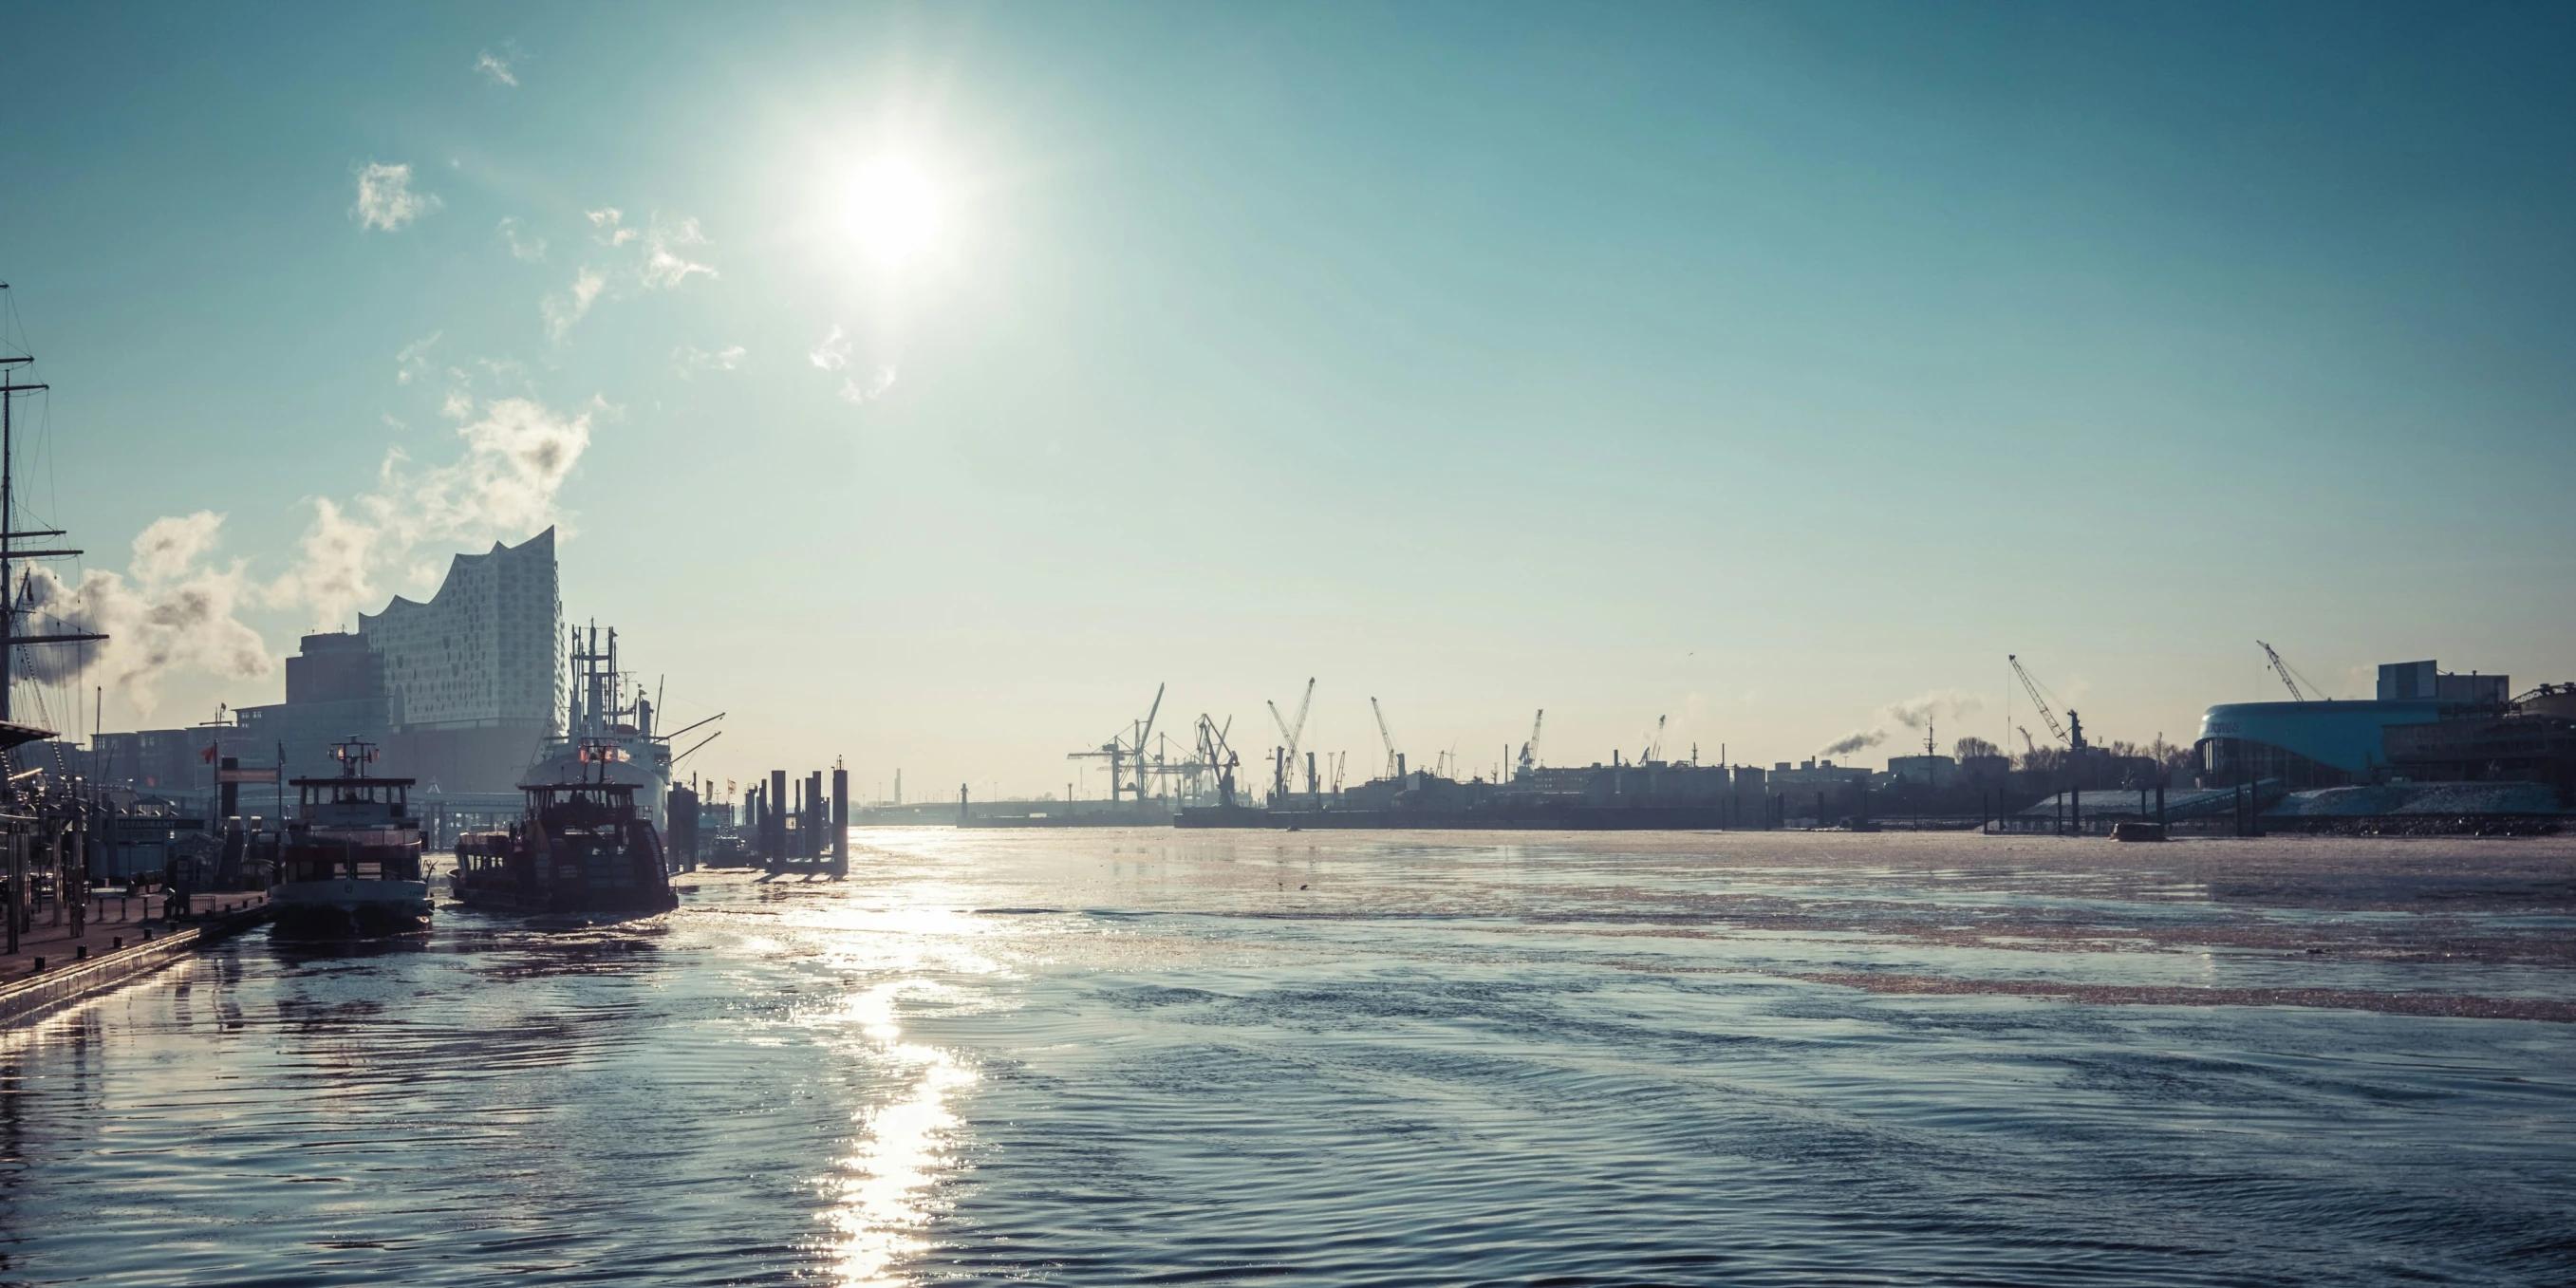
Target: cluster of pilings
797,829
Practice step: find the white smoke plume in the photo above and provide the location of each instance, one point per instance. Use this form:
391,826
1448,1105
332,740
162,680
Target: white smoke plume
517,454
173,610
1938,706
1948,705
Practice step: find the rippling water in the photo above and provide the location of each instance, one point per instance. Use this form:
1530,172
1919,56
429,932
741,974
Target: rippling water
1154,1057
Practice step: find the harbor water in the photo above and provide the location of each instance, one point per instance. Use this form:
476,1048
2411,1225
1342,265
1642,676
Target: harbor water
1122,1057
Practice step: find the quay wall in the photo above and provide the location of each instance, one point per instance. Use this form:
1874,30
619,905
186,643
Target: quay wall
30,1000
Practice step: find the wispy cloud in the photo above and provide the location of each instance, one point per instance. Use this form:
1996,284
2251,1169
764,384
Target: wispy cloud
496,67
660,267
833,353
856,395
413,362
610,221
664,266
385,197
518,452
562,311
689,359
524,245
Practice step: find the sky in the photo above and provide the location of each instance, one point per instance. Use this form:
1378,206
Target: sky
923,386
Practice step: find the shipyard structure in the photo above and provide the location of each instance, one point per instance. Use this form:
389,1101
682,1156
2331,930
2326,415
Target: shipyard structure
460,692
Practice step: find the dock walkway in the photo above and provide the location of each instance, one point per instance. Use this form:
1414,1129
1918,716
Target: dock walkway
123,938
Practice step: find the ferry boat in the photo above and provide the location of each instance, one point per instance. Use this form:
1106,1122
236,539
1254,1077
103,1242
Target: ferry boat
584,846
349,865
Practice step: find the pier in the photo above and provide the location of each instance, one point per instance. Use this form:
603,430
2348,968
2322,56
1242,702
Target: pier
122,937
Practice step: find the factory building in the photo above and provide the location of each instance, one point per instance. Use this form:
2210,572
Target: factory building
2334,744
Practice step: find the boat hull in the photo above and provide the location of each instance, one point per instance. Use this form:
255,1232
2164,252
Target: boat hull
349,909
519,902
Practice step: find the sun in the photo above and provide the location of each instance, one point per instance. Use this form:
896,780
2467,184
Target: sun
891,211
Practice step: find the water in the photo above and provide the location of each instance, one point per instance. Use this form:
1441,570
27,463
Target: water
1140,1058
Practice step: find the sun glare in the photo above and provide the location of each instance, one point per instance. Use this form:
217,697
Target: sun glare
891,211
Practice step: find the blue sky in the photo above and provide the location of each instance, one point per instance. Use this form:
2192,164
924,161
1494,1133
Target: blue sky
1759,366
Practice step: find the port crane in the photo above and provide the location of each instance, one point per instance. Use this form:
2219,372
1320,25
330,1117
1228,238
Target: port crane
2071,732
1288,736
1384,736
1216,758
1126,756
2283,669
1529,750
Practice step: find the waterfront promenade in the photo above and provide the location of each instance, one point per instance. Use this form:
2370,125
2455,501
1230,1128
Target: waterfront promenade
114,923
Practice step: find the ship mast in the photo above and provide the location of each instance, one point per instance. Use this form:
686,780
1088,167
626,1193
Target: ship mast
10,639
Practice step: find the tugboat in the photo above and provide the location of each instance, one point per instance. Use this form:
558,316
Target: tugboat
604,709
585,846
350,863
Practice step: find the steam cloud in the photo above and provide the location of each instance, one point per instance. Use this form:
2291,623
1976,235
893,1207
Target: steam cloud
172,609
1913,713
176,606
517,454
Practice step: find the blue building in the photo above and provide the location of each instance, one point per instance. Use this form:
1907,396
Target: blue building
2326,743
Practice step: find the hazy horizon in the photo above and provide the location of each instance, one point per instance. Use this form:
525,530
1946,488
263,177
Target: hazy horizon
925,386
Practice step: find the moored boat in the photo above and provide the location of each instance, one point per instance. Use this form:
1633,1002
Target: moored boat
349,866
584,846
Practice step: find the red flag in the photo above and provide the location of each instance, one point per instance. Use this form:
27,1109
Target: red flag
209,753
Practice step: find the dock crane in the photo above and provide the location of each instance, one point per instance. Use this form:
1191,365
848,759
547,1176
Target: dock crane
1126,756
1384,736
2071,732
1529,750
2283,669
1289,735
1218,758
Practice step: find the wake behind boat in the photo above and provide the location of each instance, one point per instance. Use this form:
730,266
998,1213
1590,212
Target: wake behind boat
350,865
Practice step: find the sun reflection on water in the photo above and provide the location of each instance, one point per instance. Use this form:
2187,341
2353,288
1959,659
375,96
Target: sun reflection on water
881,1194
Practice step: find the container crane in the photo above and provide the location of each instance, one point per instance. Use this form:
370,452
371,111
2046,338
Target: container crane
1384,736
1126,756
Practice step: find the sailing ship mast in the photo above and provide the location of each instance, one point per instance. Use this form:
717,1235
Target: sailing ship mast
10,637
